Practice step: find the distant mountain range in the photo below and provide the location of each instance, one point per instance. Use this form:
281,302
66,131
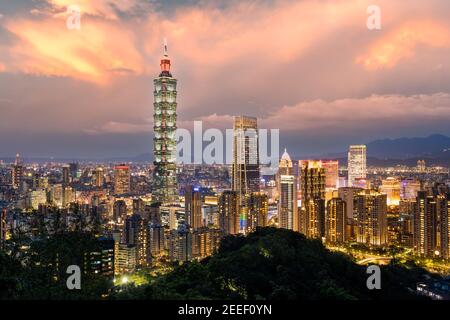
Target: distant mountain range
434,146
434,149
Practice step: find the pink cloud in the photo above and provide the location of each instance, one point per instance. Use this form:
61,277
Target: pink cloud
363,113
402,42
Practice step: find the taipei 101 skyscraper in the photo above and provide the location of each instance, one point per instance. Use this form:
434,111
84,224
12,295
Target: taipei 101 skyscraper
165,188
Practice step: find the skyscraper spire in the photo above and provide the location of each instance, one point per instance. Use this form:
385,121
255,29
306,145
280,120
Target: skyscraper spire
165,62
166,54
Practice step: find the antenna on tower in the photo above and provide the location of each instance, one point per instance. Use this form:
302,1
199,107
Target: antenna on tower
165,48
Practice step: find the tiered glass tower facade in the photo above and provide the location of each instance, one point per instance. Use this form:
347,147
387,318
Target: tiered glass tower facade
165,188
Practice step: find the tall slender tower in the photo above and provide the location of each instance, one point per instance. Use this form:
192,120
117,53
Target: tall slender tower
356,164
193,207
165,189
245,156
287,191
17,172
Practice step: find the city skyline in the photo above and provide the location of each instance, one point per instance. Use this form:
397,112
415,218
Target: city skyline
295,86
179,191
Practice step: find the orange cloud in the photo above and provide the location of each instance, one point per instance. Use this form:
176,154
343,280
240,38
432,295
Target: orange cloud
204,37
103,8
402,42
47,47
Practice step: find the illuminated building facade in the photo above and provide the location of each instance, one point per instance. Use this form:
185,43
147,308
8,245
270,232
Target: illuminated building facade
122,179
257,204
205,242
331,173
371,217
391,187
165,186
17,173
356,164
180,244
125,258
136,234
229,211
312,181
119,210
156,240
347,194
287,203
2,227
421,166
193,207
37,197
431,225
409,189
424,225
65,174
285,166
335,221
245,167
98,177
445,226
287,194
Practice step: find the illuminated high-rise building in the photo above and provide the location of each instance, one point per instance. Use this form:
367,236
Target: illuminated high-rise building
421,166
98,177
193,207
444,213
335,221
180,244
391,187
3,227
287,203
205,241
287,194
74,167
17,172
65,175
331,173
156,240
165,186
122,179
245,167
409,188
136,234
356,164
257,205
347,194
285,166
37,197
119,210
425,221
125,258
312,182
229,212
370,210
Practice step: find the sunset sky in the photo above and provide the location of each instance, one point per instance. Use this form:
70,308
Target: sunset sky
311,68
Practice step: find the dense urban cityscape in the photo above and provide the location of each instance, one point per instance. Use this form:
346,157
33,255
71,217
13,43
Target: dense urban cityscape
146,218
